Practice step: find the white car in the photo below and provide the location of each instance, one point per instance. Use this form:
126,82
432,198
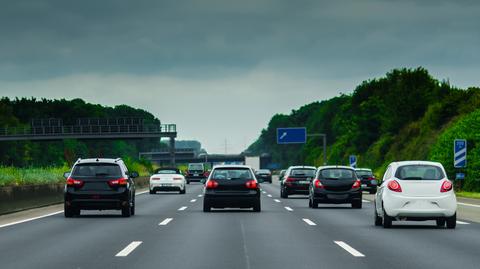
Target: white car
167,179
416,190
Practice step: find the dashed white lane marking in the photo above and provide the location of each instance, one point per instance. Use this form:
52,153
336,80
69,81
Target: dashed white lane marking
165,221
264,192
182,208
30,219
193,200
288,208
276,200
199,195
349,249
462,222
128,249
309,222
269,195
469,204
365,201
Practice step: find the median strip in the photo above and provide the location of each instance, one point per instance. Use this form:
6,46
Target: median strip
309,222
349,249
165,222
128,249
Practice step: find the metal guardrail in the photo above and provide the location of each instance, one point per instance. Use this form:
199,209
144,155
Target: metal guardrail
88,130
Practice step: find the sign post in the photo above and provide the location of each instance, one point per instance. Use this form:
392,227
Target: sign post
353,161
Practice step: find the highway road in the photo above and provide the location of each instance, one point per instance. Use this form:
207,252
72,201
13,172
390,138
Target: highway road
172,231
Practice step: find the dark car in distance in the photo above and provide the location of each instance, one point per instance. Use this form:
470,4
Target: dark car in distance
264,175
296,180
335,185
231,186
369,182
196,172
99,184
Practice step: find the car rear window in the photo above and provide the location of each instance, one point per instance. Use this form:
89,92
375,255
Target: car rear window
337,174
303,172
263,171
195,167
97,170
361,173
231,173
419,172
166,172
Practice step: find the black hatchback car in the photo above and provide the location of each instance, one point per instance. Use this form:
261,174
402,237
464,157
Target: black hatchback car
231,186
264,175
369,182
335,185
99,184
296,180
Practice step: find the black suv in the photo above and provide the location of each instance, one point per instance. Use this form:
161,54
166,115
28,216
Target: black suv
195,172
264,175
369,182
296,180
99,184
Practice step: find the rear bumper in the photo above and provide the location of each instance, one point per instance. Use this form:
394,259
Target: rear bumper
420,207
268,179
232,199
100,201
337,197
173,186
297,188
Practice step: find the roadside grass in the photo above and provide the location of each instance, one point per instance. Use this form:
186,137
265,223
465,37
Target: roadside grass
466,194
14,176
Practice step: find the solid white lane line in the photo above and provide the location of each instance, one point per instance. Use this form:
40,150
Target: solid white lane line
349,249
469,204
309,222
142,192
30,219
269,195
288,208
193,200
365,201
276,200
182,208
165,221
462,222
128,249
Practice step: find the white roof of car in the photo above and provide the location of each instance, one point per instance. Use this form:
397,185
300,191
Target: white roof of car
99,160
417,163
302,166
231,166
336,166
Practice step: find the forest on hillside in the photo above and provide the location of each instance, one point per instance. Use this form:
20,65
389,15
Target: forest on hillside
405,115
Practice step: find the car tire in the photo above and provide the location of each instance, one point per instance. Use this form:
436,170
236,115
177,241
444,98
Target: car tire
132,209
188,181
310,204
357,204
127,211
452,222
378,219
441,223
184,190
386,220
373,191
284,193
68,211
152,192
206,206
257,207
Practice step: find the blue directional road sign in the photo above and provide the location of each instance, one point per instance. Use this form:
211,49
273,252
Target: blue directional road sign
353,161
292,135
460,153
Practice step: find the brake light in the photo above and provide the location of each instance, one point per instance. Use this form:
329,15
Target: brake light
371,178
318,184
211,184
446,186
118,182
251,184
289,179
206,174
356,184
74,182
394,186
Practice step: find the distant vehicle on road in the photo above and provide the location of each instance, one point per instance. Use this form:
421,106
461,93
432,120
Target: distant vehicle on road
167,179
416,190
335,185
296,180
231,186
369,182
264,175
99,184
196,172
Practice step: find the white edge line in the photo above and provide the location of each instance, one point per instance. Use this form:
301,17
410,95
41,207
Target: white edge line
366,201
165,221
288,208
462,222
30,219
349,249
139,193
309,222
128,249
469,204
182,208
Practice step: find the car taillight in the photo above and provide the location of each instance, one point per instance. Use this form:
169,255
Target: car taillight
289,179
118,182
74,182
251,184
371,178
206,174
394,186
356,184
177,178
211,184
155,178
318,184
446,186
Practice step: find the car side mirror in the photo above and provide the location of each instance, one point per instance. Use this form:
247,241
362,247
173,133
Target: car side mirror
133,174
66,174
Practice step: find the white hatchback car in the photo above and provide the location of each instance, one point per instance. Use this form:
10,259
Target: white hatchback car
416,190
167,179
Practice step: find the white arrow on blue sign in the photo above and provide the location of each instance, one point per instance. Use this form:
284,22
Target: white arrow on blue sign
292,135
460,153
353,161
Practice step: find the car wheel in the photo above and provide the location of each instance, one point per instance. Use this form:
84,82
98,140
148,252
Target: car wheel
183,190
206,206
152,192
357,204
441,222
378,220
310,204
452,221
188,181
387,220
257,207
372,191
285,194
68,211
127,211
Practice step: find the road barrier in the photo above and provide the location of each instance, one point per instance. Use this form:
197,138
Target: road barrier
18,198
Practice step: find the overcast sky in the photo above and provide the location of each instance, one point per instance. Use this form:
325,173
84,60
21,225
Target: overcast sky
220,69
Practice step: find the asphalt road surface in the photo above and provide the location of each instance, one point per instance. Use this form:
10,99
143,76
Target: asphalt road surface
172,231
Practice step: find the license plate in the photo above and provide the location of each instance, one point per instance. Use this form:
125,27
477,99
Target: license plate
195,175
166,185
337,196
364,185
304,182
